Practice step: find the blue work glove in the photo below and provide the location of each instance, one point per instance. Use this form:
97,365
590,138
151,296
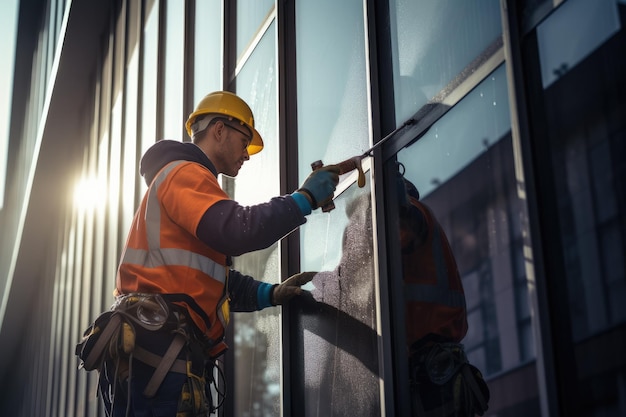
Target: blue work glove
319,187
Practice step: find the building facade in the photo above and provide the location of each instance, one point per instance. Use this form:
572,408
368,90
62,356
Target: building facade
509,117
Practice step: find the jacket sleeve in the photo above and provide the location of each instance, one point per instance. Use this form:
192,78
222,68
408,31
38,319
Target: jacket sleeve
246,293
233,229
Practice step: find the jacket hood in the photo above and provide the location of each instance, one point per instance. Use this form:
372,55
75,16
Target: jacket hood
166,151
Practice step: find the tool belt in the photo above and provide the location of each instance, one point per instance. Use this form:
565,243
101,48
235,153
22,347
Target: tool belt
136,321
443,382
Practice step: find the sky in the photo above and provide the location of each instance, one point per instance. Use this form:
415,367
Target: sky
8,25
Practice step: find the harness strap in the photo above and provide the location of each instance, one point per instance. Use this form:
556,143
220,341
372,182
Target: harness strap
103,341
214,347
186,298
165,365
152,359
471,380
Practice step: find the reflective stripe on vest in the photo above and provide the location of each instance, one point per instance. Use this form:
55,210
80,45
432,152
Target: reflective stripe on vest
156,256
440,293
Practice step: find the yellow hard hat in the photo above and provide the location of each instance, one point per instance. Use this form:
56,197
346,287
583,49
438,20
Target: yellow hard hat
229,105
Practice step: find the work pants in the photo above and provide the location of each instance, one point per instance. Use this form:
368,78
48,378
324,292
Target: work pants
163,404
124,379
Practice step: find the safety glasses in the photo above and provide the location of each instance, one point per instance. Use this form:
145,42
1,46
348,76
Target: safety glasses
245,135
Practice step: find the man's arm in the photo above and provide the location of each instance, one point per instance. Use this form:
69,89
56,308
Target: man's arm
248,294
233,229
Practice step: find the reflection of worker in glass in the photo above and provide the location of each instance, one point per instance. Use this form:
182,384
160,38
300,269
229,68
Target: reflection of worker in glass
442,382
344,348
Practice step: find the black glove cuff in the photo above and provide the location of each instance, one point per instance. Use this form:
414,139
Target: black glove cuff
313,201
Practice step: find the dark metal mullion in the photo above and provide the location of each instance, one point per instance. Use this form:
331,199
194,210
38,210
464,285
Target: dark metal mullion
189,60
230,44
288,148
161,55
391,357
229,37
141,48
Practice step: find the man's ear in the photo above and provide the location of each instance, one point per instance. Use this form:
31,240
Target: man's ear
216,130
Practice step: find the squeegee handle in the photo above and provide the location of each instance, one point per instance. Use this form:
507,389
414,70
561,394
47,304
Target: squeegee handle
345,167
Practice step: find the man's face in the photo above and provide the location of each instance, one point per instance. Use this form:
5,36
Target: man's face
234,149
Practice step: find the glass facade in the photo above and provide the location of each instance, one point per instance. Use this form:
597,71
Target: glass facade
585,24
583,146
332,98
430,60
509,118
463,168
149,47
335,342
257,341
336,346
208,48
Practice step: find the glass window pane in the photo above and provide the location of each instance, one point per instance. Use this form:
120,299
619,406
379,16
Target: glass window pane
129,165
430,55
208,48
149,85
581,25
250,17
585,154
463,168
456,142
333,122
579,142
334,345
173,76
257,85
257,335
335,341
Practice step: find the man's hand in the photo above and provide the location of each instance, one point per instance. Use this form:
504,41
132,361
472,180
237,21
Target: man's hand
319,187
288,289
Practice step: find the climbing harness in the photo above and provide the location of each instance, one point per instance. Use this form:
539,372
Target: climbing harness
134,329
443,382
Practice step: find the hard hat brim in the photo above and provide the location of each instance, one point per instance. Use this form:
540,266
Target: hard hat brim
256,144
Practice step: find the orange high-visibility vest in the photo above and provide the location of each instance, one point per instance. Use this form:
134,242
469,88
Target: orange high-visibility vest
434,297
163,254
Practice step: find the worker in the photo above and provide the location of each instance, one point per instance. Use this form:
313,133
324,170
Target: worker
175,288
443,383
